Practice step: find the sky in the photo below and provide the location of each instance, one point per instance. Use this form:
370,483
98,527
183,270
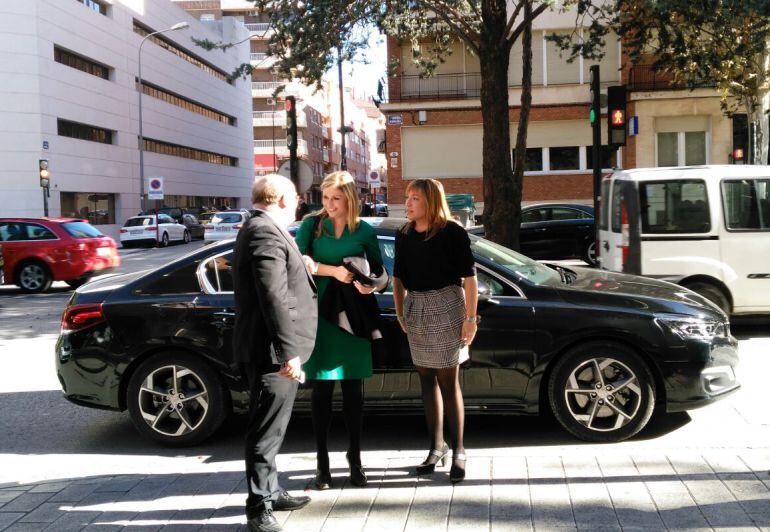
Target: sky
363,76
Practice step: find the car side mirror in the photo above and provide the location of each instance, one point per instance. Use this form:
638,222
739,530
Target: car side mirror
484,291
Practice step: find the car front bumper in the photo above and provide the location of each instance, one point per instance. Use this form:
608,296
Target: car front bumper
708,376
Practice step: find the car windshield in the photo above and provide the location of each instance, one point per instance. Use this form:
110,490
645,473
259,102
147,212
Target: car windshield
81,230
138,222
516,263
226,218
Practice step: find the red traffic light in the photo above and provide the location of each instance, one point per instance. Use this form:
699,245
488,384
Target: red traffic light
618,117
738,154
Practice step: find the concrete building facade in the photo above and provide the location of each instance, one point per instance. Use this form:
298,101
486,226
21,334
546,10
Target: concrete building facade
69,95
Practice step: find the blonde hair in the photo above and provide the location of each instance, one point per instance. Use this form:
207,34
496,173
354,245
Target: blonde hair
269,189
438,209
345,182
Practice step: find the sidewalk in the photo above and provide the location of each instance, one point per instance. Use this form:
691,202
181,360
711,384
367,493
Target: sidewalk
503,490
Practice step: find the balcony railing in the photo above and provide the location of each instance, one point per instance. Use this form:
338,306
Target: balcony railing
277,118
266,89
281,149
438,87
258,29
646,78
261,59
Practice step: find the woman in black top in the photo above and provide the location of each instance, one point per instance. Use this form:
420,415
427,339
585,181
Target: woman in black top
435,292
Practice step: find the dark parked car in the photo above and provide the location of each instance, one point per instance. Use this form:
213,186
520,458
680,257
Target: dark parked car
599,349
193,225
556,231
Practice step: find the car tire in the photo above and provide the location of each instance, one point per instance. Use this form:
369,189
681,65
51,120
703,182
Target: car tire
186,237
164,240
589,253
187,404
712,293
77,283
601,392
33,277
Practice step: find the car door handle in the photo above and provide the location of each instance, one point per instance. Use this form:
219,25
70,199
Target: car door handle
606,246
224,316
540,229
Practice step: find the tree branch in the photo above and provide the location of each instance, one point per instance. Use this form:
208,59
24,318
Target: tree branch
512,20
523,24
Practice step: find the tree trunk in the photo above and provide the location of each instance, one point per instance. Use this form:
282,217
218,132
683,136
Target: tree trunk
526,105
502,194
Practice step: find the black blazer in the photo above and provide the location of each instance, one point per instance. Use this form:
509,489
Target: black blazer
276,314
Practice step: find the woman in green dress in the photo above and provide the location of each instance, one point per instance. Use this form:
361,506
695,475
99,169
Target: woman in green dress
325,238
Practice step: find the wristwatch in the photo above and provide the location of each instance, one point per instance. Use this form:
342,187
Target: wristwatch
473,319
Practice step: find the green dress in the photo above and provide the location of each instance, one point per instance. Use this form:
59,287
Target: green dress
337,354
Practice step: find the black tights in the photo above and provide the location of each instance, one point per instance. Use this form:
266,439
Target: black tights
438,384
352,411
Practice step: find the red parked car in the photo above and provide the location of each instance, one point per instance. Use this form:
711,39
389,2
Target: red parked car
38,251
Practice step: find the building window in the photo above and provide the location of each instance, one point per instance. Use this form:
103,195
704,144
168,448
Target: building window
747,204
207,17
175,150
76,130
180,101
679,206
683,148
607,157
564,158
533,160
175,49
97,208
95,5
73,60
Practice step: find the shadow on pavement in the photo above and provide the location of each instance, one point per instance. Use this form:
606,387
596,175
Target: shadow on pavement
45,423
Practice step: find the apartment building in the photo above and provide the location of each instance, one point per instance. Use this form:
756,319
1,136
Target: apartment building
70,95
434,124
318,111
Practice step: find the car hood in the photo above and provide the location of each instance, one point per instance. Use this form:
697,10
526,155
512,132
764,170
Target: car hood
633,291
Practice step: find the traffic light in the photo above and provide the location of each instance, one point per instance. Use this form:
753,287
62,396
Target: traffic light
291,122
45,174
596,106
616,115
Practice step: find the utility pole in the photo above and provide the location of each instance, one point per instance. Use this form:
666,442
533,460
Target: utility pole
343,128
595,115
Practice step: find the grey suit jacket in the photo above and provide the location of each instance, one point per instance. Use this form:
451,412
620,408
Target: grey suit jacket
276,314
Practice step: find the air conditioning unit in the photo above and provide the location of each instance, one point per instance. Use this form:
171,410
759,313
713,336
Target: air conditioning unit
271,101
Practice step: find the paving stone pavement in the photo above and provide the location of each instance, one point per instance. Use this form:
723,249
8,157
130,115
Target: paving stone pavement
503,491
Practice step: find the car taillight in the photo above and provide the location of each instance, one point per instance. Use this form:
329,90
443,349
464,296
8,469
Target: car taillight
79,317
152,228
124,230
237,226
624,232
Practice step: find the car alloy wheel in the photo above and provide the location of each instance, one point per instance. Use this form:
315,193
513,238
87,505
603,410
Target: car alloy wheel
34,278
187,237
602,391
589,255
164,240
176,399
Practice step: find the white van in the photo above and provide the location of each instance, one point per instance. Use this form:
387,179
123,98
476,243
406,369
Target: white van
704,227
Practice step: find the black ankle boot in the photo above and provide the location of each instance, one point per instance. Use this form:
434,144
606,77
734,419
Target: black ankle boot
323,477
435,457
357,474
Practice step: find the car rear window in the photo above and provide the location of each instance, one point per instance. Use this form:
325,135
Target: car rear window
676,206
81,230
226,218
181,280
138,222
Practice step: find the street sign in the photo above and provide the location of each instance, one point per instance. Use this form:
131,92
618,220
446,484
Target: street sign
633,126
155,188
373,184
395,120
374,175
45,145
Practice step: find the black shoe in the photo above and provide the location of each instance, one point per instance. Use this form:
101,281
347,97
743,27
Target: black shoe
286,502
357,474
457,472
322,480
264,522
435,456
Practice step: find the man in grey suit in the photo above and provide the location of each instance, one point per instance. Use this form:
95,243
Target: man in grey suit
275,328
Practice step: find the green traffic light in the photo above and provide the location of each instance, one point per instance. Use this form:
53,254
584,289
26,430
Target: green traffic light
592,116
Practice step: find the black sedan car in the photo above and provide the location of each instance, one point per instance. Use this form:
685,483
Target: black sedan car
552,231
599,349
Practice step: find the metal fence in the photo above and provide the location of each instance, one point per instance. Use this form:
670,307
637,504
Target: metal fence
438,87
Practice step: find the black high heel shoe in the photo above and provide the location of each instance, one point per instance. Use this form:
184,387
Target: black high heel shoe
357,474
322,480
457,472
435,457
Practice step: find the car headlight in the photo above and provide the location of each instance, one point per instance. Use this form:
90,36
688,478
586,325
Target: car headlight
694,328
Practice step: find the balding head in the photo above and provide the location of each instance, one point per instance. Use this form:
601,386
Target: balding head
276,195
268,190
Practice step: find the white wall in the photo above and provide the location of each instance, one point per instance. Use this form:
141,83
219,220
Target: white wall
35,91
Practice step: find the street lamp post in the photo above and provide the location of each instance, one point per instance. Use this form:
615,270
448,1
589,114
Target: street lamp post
177,26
